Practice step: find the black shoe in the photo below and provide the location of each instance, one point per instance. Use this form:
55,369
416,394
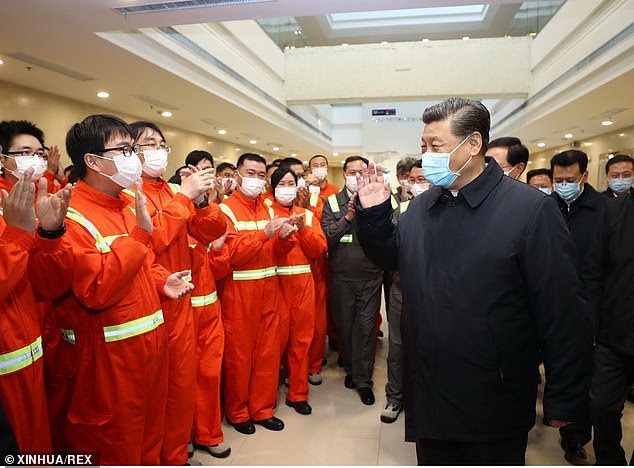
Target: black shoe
302,407
340,361
332,343
245,427
272,423
367,396
574,453
348,381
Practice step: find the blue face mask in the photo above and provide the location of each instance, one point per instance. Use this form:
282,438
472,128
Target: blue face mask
436,167
568,191
546,190
620,185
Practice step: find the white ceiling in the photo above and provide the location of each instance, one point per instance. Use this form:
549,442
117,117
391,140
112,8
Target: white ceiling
40,35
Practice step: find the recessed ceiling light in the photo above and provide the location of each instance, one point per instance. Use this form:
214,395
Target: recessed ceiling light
383,42
335,154
237,149
607,123
166,114
621,134
541,144
568,136
1,61
610,156
425,40
103,94
275,148
253,142
532,34
222,131
586,144
345,44
465,38
293,155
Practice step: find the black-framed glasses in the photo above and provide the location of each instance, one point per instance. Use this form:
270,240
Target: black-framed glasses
26,152
127,150
154,146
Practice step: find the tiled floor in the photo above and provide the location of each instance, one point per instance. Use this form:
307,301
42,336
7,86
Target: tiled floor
343,431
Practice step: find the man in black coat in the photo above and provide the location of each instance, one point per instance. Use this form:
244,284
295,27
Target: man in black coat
580,205
609,278
488,283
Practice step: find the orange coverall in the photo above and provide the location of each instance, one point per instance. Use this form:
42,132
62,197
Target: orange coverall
249,297
112,324
210,335
21,365
297,294
319,269
173,217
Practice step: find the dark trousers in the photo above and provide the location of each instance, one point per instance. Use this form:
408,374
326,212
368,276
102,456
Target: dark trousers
493,452
354,305
612,374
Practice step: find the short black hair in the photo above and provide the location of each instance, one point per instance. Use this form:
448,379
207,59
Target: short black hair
617,159
318,156
91,135
350,159
537,172
9,129
194,157
250,157
292,161
517,152
279,173
405,165
222,166
139,127
418,163
465,117
276,163
570,158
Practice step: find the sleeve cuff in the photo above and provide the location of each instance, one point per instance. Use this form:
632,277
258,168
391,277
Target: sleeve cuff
141,235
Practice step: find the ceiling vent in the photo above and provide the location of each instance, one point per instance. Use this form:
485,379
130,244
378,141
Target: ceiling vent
155,102
183,5
48,66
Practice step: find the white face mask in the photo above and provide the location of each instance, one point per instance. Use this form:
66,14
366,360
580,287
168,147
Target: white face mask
234,184
129,170
314,189
320,173
285,195
252,187
351,183
155,162
23,163
417,189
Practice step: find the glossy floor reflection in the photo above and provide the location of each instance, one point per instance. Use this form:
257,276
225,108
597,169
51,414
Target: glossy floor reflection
343,431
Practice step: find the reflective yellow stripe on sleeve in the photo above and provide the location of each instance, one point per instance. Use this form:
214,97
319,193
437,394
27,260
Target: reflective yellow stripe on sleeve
293,270
133,327
68,335
243,275
404,206
21,358
346,239
201,301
